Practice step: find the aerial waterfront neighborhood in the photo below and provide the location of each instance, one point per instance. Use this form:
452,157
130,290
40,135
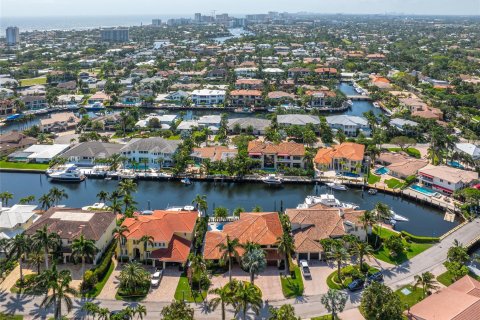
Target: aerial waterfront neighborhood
258,166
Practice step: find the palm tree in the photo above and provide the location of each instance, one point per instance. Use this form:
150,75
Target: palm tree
229,250
247,295
200,202
114,161
57,195
102,196
19,247
223,298
339,255
5,196
382,212
46,240
119,233
254,262
103,314
36,258
133,277
362,249
114,197
146,240
60,294
129,204
90,308
334,301
140,310
27,199
427,281
84,249
367,219
286,246
127,186
45,201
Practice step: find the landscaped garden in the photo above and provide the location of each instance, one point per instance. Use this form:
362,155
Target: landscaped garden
292,286
348,274
372,179
4,164
134,282
185,293
409,295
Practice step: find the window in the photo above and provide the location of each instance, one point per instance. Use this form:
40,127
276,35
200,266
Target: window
441,180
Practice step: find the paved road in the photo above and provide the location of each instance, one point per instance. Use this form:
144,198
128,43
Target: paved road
305,307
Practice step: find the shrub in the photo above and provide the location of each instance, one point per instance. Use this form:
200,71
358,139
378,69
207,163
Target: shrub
419,239
90,280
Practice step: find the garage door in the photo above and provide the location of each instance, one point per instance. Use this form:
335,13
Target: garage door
302,256
314,256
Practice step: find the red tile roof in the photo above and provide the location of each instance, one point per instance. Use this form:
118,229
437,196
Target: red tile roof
246,93
290,148
177,251
347,150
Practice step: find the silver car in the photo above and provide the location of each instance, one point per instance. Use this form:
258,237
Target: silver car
156,278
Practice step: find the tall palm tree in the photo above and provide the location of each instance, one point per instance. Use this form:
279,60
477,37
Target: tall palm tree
287,247
200,202
427,281
129,204
367,219
132,277
46,240
362,249
115,160
229,250
140,310
250,246
60,294
102,196
146,240
114,198
19,247
5,196
247,295
339,255
36,258
84,249
127,186
57,195
45,201
119,233
223,298
382,212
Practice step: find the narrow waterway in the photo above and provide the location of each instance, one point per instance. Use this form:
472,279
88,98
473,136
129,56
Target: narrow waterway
424,220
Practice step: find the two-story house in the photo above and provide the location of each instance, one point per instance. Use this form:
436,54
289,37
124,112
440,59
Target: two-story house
350,125
277,156
445,179
154,152
207,97
344,158
241,98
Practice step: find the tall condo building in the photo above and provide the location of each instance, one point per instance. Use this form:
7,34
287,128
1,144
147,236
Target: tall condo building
13,36
114,34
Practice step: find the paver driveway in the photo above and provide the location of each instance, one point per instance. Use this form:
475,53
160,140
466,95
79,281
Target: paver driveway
317,284
165,292
268,281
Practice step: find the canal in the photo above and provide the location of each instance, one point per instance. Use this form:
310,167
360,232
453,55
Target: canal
424,220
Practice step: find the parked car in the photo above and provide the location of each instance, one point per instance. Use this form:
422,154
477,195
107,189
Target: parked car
356,285
305,269
156,278
376,277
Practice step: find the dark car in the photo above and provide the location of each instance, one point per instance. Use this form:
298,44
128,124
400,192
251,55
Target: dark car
356,285
376,277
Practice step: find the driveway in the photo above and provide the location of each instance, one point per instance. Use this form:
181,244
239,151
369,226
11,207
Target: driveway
268,281
165,292
111,286
317,284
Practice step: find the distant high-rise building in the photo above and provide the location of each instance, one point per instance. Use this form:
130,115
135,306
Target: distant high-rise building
114,34
13,36
156,22
198,17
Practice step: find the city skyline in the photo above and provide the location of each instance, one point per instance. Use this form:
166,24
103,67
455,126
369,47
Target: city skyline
45,8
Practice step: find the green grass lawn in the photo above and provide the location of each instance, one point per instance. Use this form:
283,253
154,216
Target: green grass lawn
334,283
174,137
410,151
99,286
33,81
184,292
394,183
384,254
447,279
476,118
414,297
292,287
4,316
372,179
22,165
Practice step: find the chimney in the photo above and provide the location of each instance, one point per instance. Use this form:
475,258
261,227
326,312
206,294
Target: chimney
340,212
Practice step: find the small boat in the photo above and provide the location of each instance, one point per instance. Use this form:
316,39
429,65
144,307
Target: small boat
68,173
376,105
397,217
127,174
186,181
372,191
272,179
337,186
328,200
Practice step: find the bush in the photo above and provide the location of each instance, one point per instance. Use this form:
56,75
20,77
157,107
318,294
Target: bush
90,280
410,179
101,270
419,239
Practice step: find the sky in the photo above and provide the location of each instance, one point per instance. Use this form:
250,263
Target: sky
38,8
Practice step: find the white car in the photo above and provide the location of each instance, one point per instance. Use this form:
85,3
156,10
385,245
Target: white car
305,269
156,278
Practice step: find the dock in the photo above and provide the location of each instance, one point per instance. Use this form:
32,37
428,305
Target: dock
359,97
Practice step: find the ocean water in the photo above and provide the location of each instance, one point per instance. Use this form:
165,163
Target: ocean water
80,22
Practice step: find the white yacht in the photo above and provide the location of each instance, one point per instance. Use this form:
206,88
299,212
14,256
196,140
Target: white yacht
328,200
128,174
272,179
336,186
67,173
376,105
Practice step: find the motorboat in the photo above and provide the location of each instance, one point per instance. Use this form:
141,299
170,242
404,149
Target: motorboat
68,173
376,105
272,179
328,200
397,217
112,175
336,186
186,181
127,174
372,191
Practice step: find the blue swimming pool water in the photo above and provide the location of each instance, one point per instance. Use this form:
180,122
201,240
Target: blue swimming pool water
423,190
351,174
455,164
382,170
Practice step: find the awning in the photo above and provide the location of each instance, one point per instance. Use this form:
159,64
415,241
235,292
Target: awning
442,188
254,154
283,155
426,175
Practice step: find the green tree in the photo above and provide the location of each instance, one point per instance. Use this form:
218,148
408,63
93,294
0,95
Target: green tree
5,197
46,240
27,200
224,297
285,312
334,301
427,282
18,248
60,294
220,212
45,201
127,186
84,249
146,240
362,249
133,278
57,195
368,219
339,255
395,245
254,262
102,196
379,302
120,235
229,251
246,295
286,246
200,202
177,310
458,253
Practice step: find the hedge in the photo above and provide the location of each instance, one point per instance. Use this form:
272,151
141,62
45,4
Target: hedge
100,271
420,239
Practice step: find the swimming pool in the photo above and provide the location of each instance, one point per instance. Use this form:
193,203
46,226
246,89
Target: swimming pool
455,164
351,174
215,226
382,170
425,191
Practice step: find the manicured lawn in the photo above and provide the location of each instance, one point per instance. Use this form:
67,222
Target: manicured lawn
4,316
334,283
184,292
447,279
410,151
33,81
413,248
22,165
292,287
394,183
175,137
372,179
99,286
414,297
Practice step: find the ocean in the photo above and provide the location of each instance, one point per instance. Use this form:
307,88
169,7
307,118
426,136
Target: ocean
80,22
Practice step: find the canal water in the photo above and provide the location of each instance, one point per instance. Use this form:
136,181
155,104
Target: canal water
424,220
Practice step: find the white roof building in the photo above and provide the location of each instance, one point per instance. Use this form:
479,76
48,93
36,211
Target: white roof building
468,148
16,219
41,153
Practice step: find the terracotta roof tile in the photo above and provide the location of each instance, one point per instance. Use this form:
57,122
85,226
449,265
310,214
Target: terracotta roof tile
290,148
177,251
347,150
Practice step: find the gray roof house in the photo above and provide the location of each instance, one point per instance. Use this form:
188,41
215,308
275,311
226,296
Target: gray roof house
297,119
153,152
401,123
259,125
351,125
85,153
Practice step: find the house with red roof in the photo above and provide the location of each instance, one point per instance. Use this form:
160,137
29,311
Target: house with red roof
276,156
171,235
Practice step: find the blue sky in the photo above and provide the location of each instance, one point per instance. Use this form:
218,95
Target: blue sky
31,8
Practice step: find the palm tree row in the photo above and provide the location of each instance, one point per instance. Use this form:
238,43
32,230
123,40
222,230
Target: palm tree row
52,198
